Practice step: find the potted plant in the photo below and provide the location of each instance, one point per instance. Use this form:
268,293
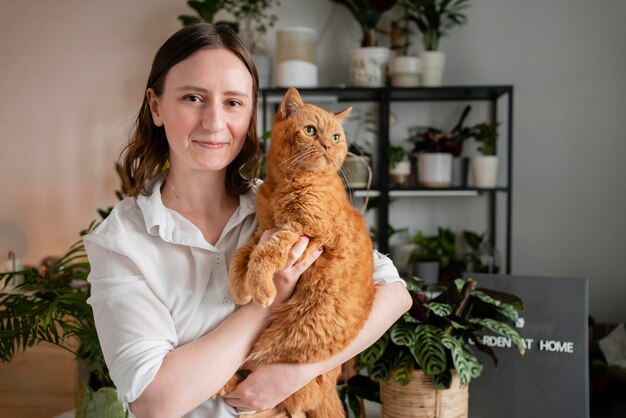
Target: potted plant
485,166
368,63
49,304
434,258
251,20
438,152
482,257
434,19
434,149
404,69
431,351
356,168
399,166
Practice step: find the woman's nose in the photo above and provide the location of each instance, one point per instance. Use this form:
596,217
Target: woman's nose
214,118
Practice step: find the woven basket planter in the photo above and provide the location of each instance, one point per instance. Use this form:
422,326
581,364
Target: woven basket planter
420,399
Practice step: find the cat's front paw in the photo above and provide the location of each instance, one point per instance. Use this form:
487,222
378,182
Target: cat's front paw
240,294
262,285
238,285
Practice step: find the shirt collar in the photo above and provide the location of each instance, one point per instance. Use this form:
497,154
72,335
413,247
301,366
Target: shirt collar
172,227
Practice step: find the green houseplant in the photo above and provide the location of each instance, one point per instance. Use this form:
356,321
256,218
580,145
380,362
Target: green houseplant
434,19
368,64
485,165
251,18
49,304
367,13
441,333
482,257
440,252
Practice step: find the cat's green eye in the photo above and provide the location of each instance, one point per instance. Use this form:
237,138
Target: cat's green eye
336,138
310,130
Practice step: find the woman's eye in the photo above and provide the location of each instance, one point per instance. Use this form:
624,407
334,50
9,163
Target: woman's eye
310,130
336,138
233,103
192,98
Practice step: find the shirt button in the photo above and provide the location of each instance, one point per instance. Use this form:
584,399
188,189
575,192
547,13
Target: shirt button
228,301
218,258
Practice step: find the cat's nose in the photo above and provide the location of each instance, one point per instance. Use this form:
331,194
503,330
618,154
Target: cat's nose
325,144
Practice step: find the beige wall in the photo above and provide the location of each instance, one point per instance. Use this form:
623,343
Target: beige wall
72,74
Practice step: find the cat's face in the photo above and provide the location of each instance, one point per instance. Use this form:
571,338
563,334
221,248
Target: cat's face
306,138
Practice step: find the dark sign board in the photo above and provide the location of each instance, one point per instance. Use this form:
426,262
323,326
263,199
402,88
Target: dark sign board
552,380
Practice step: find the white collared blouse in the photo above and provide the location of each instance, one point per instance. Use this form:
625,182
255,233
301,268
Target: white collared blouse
156,284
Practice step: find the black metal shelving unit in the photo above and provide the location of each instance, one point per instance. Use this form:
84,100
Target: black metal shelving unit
491,94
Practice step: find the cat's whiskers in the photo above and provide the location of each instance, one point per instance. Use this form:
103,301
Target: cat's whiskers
297,163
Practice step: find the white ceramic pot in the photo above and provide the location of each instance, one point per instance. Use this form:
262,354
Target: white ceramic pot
296,61
296,73
405,71
433,63
368,66
400,174
485,171
434,169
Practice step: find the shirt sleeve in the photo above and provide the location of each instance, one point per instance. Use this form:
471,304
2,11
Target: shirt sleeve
384,270
135,328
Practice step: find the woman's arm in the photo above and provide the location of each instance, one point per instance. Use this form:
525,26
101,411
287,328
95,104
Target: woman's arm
193,372
267,386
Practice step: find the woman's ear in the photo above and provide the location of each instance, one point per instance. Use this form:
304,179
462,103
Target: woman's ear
153,101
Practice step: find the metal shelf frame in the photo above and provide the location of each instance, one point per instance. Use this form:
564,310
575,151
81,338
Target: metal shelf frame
384,96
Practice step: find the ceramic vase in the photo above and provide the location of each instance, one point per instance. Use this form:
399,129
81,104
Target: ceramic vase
434,169
368,66
485,171
405,71
433,63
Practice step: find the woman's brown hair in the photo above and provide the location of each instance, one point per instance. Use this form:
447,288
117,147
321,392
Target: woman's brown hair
147,152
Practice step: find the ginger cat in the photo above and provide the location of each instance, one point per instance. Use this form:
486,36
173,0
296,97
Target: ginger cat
303,194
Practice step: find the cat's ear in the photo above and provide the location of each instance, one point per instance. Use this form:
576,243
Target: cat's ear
291,102
342,114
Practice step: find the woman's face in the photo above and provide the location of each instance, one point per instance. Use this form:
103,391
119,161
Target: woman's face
205,109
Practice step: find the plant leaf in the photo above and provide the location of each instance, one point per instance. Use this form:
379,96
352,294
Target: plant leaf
402,334
465,363
428,350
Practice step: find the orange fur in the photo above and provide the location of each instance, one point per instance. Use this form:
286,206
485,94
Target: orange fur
303,195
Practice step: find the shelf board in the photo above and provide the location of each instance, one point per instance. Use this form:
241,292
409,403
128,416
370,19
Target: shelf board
348,94
363,193
449,93
417,192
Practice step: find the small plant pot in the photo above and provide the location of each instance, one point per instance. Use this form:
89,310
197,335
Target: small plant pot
356,171
400,175
405,71
485,171
425,270
433,63
368,66
434,170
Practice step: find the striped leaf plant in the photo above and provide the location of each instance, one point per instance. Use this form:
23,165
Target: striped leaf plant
442,331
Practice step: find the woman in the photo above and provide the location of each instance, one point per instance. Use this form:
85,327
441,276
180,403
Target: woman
170,333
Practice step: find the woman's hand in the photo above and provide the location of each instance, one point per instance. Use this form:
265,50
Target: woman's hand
269,385
286,278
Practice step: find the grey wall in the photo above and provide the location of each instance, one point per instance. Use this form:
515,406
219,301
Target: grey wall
72,74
